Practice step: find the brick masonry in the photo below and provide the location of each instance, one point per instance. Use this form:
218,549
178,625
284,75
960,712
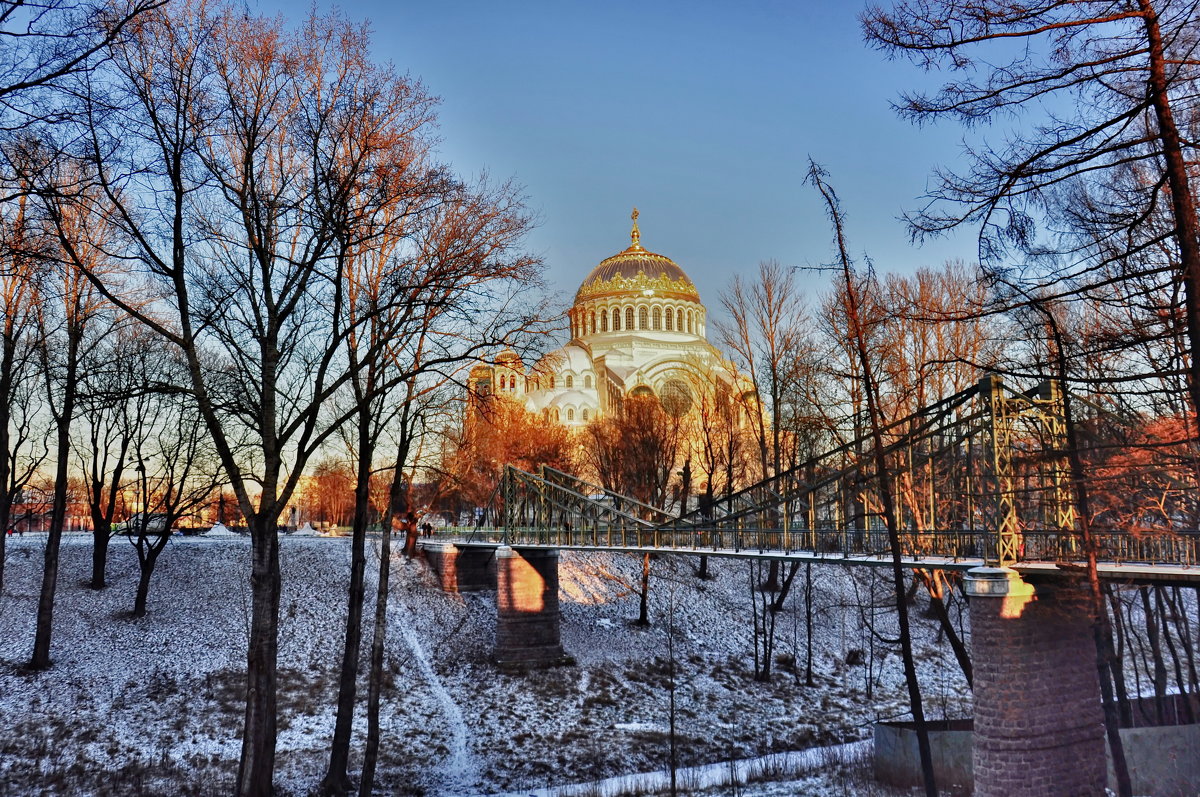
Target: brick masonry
1038,719
442,558
527,613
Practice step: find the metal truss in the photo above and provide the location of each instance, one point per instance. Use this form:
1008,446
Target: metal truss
980,475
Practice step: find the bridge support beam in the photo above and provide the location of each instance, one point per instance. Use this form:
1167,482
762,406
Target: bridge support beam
1038,720
527,614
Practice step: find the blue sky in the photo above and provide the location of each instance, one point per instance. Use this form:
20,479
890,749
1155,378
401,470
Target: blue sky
702,114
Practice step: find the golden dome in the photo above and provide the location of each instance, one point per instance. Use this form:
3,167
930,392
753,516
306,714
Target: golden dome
635,271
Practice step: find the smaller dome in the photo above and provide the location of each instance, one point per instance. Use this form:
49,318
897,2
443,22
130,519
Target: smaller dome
509,358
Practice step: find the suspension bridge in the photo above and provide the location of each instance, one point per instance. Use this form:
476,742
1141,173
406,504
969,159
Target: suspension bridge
980,478
978,482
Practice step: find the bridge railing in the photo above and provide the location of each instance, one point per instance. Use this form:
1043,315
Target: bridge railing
1178,548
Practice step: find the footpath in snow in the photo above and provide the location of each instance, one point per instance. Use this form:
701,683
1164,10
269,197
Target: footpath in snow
461,769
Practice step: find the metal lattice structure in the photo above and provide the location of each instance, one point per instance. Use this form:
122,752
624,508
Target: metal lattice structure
978,477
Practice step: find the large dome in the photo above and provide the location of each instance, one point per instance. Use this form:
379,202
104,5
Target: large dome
635,271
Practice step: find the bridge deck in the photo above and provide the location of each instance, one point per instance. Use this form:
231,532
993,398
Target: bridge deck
1131,572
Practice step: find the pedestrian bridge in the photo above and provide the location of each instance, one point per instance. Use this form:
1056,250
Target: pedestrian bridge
981,478
980,482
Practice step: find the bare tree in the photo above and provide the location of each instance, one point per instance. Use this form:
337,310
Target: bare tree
1117,74
766,337
20,241
857,337
404,315
174,460
44,41
70,329
106,426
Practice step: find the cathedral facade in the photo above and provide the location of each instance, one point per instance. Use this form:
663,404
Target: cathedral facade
637,326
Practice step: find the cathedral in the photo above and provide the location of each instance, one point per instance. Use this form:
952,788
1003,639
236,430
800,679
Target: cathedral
637,327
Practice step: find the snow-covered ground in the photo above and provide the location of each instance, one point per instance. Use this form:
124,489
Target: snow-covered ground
153,706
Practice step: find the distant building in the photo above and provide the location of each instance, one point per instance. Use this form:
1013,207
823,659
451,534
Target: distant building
637,327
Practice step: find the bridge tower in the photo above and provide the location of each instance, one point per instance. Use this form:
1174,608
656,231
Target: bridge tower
1038,721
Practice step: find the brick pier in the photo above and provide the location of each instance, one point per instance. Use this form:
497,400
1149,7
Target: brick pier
1038,719
466,569
527,616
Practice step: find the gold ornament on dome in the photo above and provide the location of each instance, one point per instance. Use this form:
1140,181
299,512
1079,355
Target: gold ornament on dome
661,285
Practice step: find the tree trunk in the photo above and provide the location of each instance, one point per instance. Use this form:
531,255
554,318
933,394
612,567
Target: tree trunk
777,604
257,765
396,500
771,584
1115,666
7,355
644,595
58,517
337,779
1183,203
808,625
101,534
1169,641
939,609
1160,667
145,570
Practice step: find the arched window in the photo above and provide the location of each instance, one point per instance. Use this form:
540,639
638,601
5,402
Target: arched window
556,416
585,415
656,317
570,381
570,415
629,318
512,383
616,319
670,319
587,382
643,318
592,323
689,322
603,320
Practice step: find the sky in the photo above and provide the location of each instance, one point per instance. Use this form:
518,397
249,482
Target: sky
702,114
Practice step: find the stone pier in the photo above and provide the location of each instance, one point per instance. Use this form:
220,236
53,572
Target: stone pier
465,569
1038,719
527,615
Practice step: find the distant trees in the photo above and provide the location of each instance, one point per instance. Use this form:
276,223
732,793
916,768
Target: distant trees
633,451
496,431
767,335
